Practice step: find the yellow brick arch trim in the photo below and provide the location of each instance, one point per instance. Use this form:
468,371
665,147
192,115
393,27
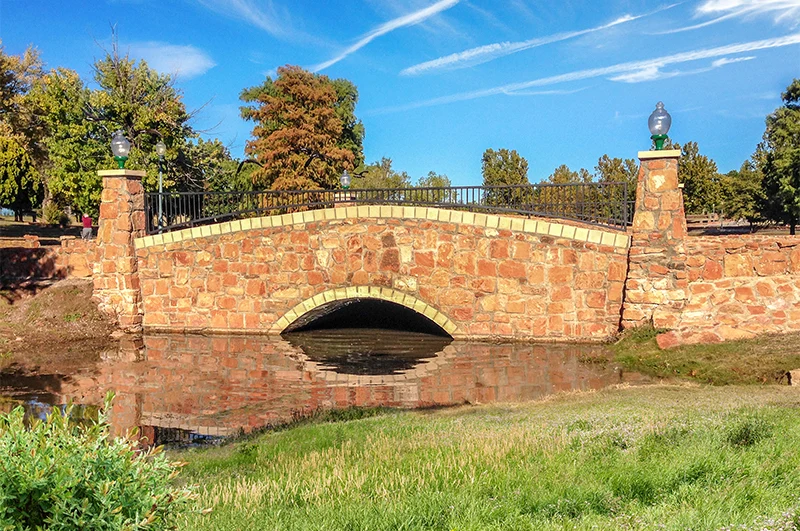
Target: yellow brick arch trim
365,292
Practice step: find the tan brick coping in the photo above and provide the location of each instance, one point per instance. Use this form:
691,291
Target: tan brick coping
518,224
365,292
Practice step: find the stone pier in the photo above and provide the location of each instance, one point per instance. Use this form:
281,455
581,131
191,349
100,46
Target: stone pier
116,277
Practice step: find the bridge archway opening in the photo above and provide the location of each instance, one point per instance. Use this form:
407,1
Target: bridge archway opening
365,313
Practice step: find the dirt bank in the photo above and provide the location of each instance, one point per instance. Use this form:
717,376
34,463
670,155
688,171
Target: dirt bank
51,327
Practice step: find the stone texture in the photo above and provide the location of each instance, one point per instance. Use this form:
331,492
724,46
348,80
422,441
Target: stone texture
657,256
116,279
490,283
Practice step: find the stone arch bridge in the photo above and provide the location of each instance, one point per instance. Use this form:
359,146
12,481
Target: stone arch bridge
473,275
467,274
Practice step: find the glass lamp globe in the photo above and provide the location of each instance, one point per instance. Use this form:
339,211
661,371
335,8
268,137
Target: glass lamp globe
345,180
161,149
121,148
659,124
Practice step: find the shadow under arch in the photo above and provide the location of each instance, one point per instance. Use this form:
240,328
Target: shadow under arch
323,305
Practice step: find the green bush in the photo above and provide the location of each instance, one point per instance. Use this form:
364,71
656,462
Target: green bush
54,215
60,475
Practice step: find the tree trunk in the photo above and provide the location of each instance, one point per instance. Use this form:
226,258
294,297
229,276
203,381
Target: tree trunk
793,228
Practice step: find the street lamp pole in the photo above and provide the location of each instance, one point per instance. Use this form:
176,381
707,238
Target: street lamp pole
161,149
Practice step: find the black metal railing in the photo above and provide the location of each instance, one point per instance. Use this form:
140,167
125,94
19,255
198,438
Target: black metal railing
609,204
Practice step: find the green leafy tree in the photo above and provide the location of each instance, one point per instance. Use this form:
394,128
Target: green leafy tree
742,193
18,121
503,168
433,180
306,132
147,107
782,159
701,181
612,199
75,147
380,174
20,187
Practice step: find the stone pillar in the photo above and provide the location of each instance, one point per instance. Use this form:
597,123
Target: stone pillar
116,279
656,287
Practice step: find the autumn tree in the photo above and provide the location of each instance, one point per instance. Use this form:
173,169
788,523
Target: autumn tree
306,133
782,159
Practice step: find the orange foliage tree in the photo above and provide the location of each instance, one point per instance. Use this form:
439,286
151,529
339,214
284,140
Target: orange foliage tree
306,134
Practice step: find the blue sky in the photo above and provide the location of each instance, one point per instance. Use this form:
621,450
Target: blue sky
560,81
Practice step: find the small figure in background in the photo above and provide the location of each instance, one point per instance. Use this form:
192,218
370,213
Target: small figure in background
86,233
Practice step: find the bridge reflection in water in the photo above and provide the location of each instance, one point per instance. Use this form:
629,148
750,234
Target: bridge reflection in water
183,388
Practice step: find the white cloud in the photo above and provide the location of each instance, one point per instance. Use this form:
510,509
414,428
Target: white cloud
489,52
644,67
260,14
654,72
406,20
182,61
782,11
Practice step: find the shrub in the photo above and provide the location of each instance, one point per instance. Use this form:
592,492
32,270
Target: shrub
54,215
56,474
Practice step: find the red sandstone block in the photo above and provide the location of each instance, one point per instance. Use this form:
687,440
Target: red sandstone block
424,258
499,249
560,274
512,269
487,268
561,293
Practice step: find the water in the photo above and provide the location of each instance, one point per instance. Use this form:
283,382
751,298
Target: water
198,389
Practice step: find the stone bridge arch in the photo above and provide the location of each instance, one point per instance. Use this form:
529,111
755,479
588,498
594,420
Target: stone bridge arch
305,311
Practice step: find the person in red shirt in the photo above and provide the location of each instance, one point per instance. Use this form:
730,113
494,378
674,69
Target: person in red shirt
86,233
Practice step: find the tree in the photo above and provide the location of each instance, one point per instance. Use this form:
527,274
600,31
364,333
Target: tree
380,174
782,159
504,168
612,199
20,187
306,133
75,147
434,180
742,193
17,120
147,107
701,186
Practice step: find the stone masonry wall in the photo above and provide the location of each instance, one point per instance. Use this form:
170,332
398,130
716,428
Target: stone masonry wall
72,259
739,286
491,276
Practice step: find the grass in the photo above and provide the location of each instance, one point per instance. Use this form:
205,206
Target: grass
660,457
765,359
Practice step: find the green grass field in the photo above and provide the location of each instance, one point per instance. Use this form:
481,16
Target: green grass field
660,457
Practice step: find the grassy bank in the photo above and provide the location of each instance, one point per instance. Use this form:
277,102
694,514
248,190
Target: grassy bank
663,457
765,359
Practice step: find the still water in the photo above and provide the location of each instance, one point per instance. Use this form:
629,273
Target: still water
193,389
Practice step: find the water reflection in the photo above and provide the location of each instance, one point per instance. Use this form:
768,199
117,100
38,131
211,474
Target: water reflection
198,388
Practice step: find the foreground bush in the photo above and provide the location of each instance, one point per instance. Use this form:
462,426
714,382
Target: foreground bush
60,475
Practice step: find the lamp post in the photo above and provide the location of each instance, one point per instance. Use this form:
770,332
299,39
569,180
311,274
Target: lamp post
344,180
659,124
121,148
161,150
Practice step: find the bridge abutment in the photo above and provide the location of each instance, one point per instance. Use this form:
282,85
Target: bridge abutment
116,278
